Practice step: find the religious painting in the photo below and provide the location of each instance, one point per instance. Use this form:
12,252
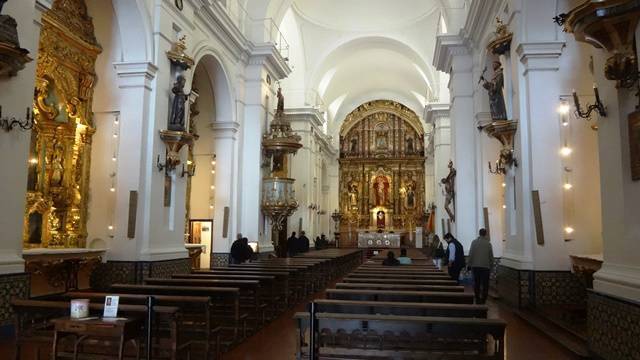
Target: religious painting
382,138
380,219
634,144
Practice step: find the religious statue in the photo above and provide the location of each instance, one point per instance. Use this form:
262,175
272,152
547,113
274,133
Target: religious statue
411,196
280,107
354,145
410,149
380,220
57,167
495,88
177,116
449,191
353,195
381,187
8,28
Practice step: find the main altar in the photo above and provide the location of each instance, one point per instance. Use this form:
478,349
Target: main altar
382,182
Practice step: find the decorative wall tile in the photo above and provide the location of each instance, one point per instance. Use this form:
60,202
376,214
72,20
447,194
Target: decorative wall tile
614,327
512,286
220,259
134,272
559,288
12,286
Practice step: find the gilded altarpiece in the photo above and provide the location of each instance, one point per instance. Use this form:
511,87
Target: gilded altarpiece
60,153
382,165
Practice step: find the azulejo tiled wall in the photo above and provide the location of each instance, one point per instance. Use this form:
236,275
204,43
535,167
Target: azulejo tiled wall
559,288
513,285
12,286
133,272
614,327
219,259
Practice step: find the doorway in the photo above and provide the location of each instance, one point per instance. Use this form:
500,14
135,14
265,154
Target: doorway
201,232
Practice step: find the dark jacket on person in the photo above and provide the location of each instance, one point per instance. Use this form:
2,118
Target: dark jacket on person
303,241
459,261
292,246
241,251
390,262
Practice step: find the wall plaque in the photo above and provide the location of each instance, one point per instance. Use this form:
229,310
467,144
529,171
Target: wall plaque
133,207
225,223
634,144
537,215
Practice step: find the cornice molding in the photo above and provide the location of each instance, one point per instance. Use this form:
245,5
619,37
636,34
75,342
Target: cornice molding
314,117
448,46
268,56
225,129
214,18
435,111
481,15
540,56
135,74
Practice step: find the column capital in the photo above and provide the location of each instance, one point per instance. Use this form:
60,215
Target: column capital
448,47
225,130
135,74
540,56
269,57
433,112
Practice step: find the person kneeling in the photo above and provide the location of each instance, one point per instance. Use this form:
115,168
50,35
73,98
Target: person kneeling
391,260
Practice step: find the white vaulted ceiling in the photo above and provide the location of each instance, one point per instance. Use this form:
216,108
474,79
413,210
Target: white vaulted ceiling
353,51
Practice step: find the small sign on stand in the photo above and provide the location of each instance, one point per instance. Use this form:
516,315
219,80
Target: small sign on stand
111,306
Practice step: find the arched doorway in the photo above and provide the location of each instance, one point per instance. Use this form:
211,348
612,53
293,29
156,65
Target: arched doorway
382,168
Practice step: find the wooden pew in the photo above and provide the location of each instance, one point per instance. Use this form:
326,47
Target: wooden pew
401,296
33,325
397,281
250,292
302,281
369,336
398,269
411,287
196,314
274,293
401,308
282,278
224,301
399,276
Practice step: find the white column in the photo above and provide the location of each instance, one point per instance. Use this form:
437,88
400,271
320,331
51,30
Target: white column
225,148
537,149
438,116
15,98
463,146
620,272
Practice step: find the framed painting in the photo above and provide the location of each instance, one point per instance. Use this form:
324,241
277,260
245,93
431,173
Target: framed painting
634,144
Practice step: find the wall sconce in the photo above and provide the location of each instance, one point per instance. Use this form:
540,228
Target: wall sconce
7,124
190,170
598,106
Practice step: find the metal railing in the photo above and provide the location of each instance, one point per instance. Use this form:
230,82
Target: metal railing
259,31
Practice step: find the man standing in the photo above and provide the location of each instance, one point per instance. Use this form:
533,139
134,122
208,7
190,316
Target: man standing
455,257
480,260
304,243
292,244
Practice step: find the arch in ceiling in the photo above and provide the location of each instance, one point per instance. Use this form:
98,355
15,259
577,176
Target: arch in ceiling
388,106
207,57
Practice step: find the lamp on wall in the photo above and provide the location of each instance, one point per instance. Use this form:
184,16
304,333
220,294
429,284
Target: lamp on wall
598,106
7,124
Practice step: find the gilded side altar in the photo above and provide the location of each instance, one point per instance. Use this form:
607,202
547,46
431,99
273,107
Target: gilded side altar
60,153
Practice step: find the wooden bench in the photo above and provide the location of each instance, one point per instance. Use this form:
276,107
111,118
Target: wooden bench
225,301
33,326
367,336
399,276
301,278
412,287
195,321
401,296
282,279
250,293
398,281
275,293
401,308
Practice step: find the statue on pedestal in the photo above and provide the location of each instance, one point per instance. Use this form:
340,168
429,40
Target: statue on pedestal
495,88
8,28
177,116
449,191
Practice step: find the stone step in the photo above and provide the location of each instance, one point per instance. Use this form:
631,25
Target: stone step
571,342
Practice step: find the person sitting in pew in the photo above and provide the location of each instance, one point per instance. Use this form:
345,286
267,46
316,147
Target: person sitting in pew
391,260
241,251
404,259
